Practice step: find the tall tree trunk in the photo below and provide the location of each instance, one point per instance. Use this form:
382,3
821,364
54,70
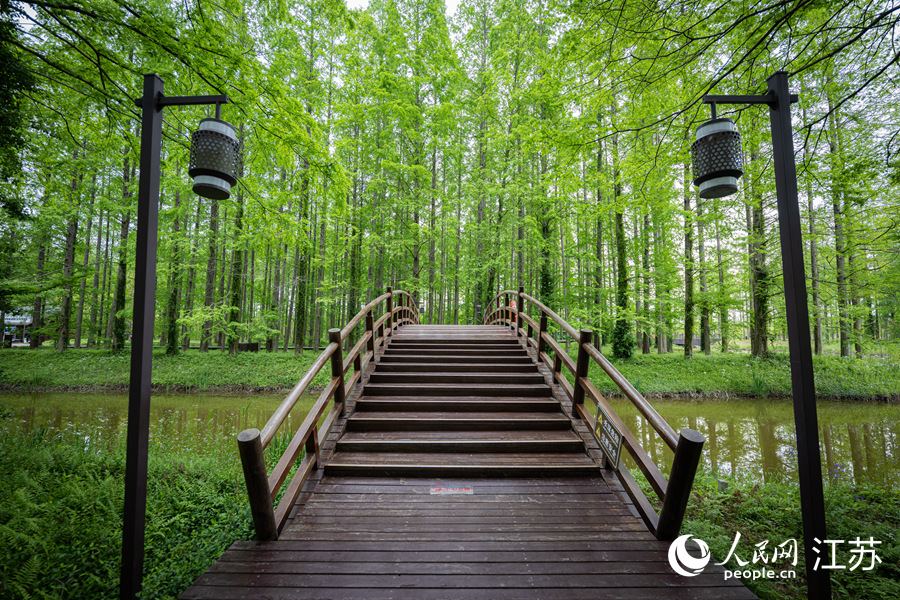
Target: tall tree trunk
813,261
117,316
116,332
107,275
839,209
191,276
688,265
623,344
95,289
174,284
237,262
300,318
645,235
223,275
79,318
662,291
65,311
705,341
759,271
37,314
320,276
723,307
209,295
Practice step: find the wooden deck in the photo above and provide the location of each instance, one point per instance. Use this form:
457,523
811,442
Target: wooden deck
458,474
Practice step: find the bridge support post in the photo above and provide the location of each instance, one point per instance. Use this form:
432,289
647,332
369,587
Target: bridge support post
520,308
390,312
542,329
253,462
337,368
370,329
681,480
507,310
581,366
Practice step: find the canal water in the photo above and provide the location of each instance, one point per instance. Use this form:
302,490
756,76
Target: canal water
753,438
749,439
202,424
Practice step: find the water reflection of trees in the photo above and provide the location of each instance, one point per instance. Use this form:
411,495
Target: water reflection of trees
209,430
757,444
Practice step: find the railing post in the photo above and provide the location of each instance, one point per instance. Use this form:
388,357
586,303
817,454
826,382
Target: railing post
581,366
520,307
507,311
253,462
337,368
681,480
370,328
390,312
542,329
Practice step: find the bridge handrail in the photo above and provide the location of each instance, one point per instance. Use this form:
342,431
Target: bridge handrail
687,445
262,487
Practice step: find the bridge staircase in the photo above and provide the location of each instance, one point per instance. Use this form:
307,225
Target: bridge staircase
455,462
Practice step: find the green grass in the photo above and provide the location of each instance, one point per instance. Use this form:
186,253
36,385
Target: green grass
61,516
46,369
718,374
772,512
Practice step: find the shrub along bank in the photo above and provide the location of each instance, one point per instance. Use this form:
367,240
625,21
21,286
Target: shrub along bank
61,518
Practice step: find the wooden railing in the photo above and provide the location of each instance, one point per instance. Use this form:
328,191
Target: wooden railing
263,487
687,445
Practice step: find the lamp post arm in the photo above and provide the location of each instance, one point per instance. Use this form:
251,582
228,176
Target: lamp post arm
161,101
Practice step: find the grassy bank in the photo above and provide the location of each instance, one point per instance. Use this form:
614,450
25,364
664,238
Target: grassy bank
719,374
61,518
771,512
91,370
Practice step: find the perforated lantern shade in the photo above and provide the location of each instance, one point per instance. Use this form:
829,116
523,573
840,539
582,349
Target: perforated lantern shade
717,159
215,159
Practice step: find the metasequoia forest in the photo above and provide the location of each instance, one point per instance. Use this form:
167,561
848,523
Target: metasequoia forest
511,142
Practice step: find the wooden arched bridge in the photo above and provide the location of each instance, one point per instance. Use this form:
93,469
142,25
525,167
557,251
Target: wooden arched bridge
461,462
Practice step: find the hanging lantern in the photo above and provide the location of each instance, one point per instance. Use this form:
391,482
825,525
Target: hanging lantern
717,160
216,159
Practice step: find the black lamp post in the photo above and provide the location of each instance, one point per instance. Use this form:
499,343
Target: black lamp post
138,436
717,158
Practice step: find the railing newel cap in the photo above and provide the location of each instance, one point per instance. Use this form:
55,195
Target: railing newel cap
692,435
248,435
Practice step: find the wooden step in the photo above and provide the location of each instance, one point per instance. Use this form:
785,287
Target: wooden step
513,351
438,367
474,359
442,435
459,379
456,421
448,389
453,342
457,403
450,348
394,464
561,445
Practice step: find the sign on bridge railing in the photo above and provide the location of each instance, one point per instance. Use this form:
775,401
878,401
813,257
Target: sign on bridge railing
609,436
